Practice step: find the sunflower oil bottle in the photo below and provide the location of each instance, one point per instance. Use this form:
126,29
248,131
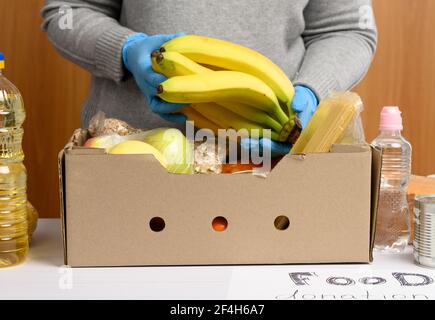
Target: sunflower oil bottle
14,242
32,220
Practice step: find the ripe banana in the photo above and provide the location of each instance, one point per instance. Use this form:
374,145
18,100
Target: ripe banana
234,57
222,86
227,119
199,120
253,115
173,64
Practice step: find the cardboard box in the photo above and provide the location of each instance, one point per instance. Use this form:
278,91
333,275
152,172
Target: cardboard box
109,200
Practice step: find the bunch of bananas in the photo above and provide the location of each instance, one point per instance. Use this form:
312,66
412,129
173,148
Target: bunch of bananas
227,86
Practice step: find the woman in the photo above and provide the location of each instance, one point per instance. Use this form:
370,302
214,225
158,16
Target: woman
321,45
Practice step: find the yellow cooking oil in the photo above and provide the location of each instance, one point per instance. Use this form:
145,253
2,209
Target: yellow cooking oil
32,219
14,240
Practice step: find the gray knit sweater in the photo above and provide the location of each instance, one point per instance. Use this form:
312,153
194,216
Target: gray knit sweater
324,44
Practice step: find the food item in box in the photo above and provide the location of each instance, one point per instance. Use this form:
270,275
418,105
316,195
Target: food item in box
138,147
104,142
354,134
111,140
230,120
102,126
177,150
328,124
239,167
171,143
199,120
256,169
168,145
209,157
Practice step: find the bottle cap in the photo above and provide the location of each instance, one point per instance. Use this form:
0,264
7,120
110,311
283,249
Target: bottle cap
391,119
2,60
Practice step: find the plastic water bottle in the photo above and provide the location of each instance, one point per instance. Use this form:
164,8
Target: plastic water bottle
393,222
14,243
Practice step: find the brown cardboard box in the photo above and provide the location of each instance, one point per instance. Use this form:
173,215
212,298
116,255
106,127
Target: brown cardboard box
108,201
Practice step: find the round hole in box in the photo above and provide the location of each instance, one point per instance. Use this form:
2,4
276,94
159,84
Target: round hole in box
157,224
282,223
219,224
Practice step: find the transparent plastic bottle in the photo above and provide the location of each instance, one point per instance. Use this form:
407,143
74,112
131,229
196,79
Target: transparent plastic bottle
14,243
393,222
32,220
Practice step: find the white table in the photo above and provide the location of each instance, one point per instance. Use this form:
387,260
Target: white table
44,277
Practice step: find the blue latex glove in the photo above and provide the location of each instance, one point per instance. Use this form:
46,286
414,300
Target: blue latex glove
304,104
258,146
136,55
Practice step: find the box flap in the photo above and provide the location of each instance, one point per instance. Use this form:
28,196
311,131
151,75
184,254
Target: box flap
62,194
78,138
86,151
376,184
349,148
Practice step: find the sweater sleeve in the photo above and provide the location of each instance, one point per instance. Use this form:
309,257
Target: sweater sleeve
340,38
88,33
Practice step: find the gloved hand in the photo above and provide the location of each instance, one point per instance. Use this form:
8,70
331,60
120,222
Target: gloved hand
136,55
258,146
304,104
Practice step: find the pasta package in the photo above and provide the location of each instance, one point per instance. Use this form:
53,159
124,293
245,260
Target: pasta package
329,123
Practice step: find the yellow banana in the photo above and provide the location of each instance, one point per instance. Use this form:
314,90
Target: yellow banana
227,119
214,68
222,86
173,64
253,115
230,56
199,120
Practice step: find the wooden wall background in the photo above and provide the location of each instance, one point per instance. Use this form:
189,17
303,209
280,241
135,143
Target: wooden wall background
403,73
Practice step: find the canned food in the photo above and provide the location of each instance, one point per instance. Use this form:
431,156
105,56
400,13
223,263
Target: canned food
424,230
